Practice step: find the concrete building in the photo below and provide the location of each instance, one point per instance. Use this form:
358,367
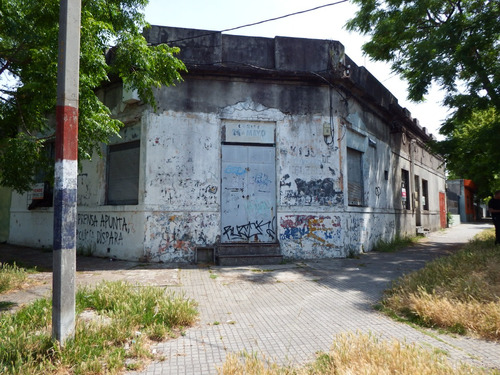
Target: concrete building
279,146
460,201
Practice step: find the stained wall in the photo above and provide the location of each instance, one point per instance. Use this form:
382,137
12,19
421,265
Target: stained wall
315,123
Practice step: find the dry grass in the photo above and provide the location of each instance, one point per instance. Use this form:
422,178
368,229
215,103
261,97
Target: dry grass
473,317
14,278
359,354
460,293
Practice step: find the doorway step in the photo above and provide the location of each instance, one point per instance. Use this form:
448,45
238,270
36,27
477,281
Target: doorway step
245,254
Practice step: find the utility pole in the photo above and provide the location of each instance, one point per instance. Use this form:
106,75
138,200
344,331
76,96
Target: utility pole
66,169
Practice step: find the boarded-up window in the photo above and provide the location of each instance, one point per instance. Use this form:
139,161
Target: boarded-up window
354,177
123,173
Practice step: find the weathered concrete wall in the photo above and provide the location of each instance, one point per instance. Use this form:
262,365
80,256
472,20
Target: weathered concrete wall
273,82
111,232
179,208
30,228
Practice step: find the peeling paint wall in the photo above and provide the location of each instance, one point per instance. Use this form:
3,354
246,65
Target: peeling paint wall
173,237
311,236
182,161
309,165
311,128
180,201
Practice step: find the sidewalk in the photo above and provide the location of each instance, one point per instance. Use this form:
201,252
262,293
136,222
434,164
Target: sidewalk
284,313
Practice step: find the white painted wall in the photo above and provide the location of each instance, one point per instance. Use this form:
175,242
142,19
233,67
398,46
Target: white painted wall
180,182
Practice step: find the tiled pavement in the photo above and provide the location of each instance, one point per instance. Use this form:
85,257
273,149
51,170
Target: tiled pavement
283,313
289,312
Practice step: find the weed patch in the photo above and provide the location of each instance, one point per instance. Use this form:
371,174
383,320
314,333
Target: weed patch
13,277
460,292
396,244
358,354
127,319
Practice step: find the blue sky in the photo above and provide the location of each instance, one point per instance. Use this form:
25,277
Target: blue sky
325,23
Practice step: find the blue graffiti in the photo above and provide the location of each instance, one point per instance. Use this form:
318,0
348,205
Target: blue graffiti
262,179
294,233
233,169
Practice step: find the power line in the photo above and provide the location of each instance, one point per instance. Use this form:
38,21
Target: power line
260,22
285,16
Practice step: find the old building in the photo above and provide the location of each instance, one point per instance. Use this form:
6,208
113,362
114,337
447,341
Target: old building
279,145
460,201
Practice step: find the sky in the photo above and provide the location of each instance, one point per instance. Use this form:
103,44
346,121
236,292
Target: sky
325,23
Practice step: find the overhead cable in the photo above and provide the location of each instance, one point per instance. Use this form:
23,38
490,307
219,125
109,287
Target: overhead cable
260,22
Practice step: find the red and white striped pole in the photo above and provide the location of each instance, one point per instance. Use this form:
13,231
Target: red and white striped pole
66,170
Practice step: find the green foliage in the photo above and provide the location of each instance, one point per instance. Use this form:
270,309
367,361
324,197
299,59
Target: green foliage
28,72
454,44
124,318
449,219
472,151
398,243
20,157
11,277
450,42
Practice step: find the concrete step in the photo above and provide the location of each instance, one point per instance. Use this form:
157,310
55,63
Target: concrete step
246,254
248,260
249,249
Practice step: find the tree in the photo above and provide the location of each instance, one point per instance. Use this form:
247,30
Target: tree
28,72
454,43
473,151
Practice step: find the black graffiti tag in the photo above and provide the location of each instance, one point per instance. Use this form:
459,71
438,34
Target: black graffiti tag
250,230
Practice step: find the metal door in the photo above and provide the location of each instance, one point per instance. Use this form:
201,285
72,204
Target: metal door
248,201
442,210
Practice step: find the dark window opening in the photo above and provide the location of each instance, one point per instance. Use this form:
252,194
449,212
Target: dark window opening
354,177
42,194
123,174
425,195
405,184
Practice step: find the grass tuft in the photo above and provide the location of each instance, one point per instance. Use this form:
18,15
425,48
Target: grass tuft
460,292
396,244
359,354
126,319
12,277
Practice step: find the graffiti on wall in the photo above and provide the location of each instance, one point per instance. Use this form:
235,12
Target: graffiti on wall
103,229
357,230
172,185
173,238
84,189
363,232
320,192
325,230
252,230
302,151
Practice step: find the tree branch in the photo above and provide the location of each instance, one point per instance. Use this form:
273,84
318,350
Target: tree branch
5,67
